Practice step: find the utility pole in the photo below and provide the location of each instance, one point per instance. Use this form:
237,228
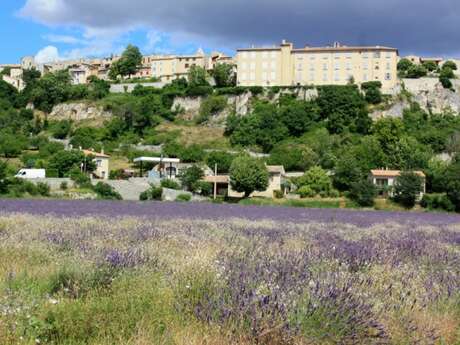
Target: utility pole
215,181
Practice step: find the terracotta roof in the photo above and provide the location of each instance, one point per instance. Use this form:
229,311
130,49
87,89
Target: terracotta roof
95,154
392,173
217,179
275,169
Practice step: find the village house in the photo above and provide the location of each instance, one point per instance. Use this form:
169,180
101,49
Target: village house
275,183
102,164
385,180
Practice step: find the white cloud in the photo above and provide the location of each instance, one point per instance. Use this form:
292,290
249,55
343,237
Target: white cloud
48,54
64,39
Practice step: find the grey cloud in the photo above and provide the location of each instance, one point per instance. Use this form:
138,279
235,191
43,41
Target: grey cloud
413,26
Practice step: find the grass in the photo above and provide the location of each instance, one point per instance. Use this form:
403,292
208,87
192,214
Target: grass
188,134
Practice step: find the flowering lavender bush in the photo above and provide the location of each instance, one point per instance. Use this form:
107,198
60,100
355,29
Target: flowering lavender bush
148,277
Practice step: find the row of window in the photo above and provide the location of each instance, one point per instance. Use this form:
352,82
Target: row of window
252,76
337,66
337,77
364,55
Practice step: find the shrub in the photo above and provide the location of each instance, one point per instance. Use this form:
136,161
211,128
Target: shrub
204,188
363,193
306,192
184,198
211,106
278,194
437,202
171,184
195,91
43,189
317,179
190,177
80,178
64,185
154,193
106,192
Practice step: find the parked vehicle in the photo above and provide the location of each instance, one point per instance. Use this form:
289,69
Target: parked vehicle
31,173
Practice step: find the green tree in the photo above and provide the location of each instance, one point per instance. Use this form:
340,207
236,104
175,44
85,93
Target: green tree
430,66
404,65
224,75
222,159
197,76
128,64
65,161
372,92
51,89
407,189
293,156
248,175
450,64
190,177
299,116
11,145
416,71
343,107
363,193
316,179
452,182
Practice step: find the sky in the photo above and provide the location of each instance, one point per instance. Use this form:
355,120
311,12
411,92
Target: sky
63,29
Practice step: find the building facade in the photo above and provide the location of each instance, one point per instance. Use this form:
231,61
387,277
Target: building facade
336,65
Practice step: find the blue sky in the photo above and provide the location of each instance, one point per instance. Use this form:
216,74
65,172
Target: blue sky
60,29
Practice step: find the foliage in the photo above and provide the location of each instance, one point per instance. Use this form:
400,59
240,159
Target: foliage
408,186
128,64
153,193
293,156
248,175
51,89
60,129
224,75
211,106
106,191
372,92
12,144
430,66
65,161
363,193
171,184
222,159
197,76
184,197
437,202
306,192
416,71
450,64
190,177
343,108
316,179
404,65
299,116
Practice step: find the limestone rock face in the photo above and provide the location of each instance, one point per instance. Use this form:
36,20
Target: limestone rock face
188,106
78,111
432,96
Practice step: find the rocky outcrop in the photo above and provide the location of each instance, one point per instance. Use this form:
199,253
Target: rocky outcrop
78,111
188,107
427,92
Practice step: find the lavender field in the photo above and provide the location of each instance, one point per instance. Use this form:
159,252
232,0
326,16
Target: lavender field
131,273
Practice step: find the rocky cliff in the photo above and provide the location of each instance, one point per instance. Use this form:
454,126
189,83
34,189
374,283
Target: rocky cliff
78,111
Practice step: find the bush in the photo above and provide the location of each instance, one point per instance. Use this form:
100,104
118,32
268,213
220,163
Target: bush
190,177
154,193
204,188
278,194
43,189
211,106
171,184
106,192
80,178
195,91
317,179
437,202
306,192
408,187
184,198
363,193
64,185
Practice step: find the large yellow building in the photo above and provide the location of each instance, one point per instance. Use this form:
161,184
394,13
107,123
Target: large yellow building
287,66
